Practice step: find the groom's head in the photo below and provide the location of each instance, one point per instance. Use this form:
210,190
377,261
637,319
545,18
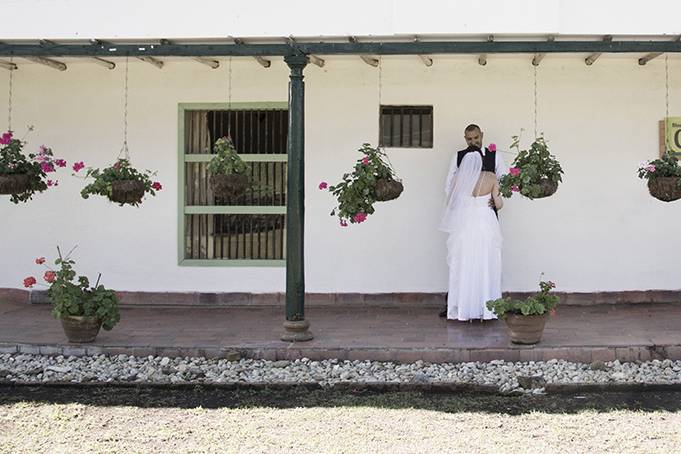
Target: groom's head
473,136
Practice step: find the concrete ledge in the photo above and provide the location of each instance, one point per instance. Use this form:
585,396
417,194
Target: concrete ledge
203,299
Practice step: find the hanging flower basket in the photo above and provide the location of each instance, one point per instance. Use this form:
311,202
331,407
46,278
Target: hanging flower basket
14,183
664,177
127,191
372,180
121,183
21,176
227,170
526,319
535,173
388,189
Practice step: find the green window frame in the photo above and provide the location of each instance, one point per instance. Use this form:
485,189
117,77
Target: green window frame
184,209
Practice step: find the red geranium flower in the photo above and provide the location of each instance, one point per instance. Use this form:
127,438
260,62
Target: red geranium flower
156,186
50,276
40,260
29,282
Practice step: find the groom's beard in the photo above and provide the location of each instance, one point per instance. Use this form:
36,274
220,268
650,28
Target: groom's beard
473,148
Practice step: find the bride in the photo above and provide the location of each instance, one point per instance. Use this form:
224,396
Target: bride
474,242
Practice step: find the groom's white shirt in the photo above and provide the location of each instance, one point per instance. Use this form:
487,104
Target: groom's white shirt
499,167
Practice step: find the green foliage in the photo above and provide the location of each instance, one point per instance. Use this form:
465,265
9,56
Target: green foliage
537,304
121,170
531,166
666,166
71,296
356,193
226,160
13,161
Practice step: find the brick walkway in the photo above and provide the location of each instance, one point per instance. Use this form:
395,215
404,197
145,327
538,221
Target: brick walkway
578,333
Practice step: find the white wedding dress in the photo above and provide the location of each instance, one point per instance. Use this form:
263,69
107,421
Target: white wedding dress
473,246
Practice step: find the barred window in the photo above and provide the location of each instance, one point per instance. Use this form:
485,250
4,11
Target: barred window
247,229
406,126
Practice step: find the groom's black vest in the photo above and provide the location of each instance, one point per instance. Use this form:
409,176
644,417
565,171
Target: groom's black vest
488,160
489,163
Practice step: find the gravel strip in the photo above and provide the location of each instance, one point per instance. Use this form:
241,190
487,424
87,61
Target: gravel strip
521,377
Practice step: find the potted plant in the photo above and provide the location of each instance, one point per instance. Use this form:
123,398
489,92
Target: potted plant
82,309
21,176
120,183
535,173
664,177
227,171
526,319
371,180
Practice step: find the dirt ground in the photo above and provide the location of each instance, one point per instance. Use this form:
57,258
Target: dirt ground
107,419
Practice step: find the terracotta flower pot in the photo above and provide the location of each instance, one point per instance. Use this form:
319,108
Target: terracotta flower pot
525,329
387,189
127,191
80,329
13,183
665,188
232,185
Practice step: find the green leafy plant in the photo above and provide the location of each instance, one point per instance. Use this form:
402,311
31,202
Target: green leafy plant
74,296
537,304
666,166
531,169
34,166
226,160
121,170
356,193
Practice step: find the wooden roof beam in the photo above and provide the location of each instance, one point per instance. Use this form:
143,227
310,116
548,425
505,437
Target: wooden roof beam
211,63
591,59
315,60
265,63
539,57
424,58
646,58
8,65
482,59
368,60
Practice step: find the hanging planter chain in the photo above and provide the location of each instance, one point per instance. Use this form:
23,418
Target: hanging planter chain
124,150
9,103
229,100
535,101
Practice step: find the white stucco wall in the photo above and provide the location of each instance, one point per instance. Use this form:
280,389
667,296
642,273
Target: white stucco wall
83,19
601,231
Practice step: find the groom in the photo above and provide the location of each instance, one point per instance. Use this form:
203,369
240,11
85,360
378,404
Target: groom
491,162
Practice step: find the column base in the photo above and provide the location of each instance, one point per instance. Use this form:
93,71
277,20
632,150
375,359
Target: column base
296,331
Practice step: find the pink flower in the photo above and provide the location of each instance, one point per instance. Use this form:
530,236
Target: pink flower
359,217
651,168
323,185
515,171
40,260
515,188
343,223
6,138
43,148
156,186
29,282
50,276
492,147
50,183
60,163
78,166
365,160
47,167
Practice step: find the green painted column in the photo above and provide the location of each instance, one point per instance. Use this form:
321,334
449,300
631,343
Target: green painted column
296,328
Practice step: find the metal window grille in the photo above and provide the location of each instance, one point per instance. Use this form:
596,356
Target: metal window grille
406,126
